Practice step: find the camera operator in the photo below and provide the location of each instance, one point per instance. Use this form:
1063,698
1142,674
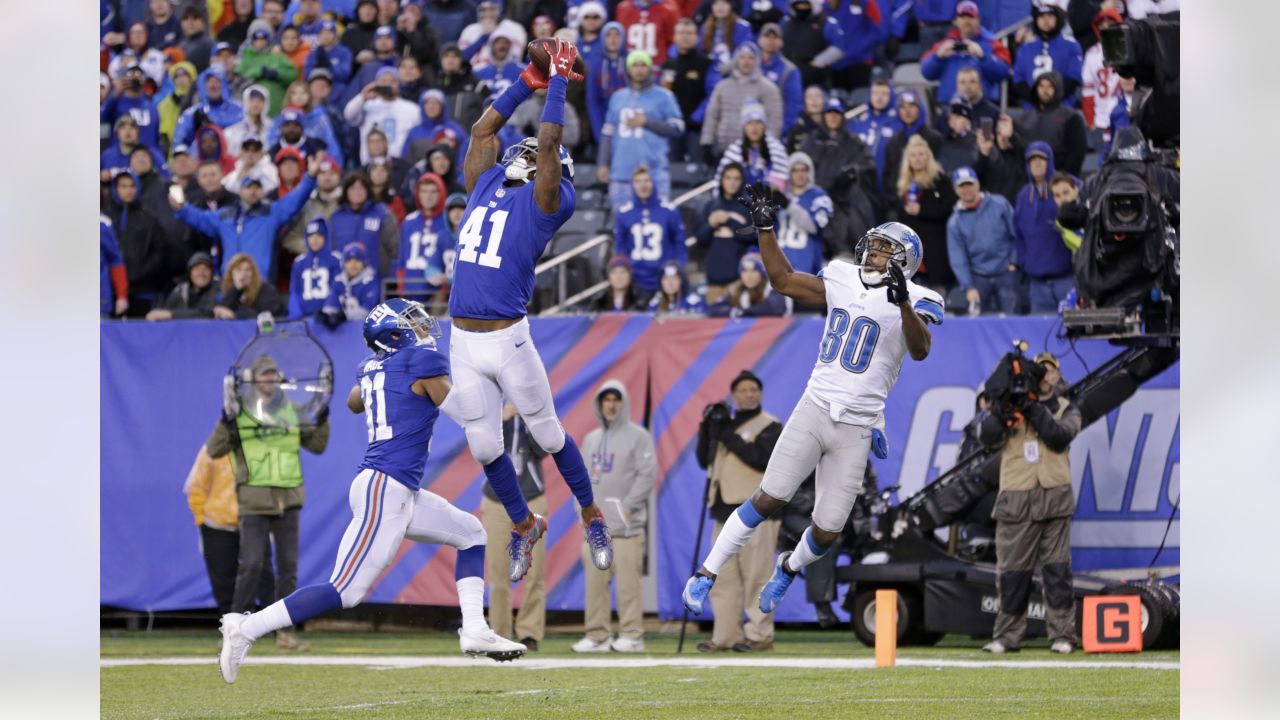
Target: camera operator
1129,212
735,447
1034,423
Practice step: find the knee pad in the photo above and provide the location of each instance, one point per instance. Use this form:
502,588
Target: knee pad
475,534
485,446
547,432
352,596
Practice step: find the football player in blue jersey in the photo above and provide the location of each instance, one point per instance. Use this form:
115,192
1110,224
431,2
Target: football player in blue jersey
514,208
401,389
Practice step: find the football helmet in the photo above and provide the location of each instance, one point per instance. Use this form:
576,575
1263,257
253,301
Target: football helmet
399,323
521,160
907,251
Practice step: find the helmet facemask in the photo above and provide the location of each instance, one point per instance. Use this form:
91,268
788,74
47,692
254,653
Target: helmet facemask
521,160
863,254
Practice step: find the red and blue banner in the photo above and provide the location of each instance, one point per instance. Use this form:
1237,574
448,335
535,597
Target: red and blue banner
161,396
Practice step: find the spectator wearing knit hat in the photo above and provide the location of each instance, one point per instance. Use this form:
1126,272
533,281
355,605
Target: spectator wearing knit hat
642,120
427,133
959,144
329,55
193,298
723,122
314,272
196,44
762,155
289,131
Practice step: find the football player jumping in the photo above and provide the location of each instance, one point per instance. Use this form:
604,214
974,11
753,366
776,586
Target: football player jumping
875,316
513,210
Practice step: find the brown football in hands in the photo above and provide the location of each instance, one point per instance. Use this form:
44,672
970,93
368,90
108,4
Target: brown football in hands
540,56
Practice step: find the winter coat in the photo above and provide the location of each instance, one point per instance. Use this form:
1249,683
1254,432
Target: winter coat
1041,253
462,100
1003,172
623,465
338,60
187,302
268,300
861,23
312,279
723,121
723,254
142,242
250,230
114,279
141,108
980,240
605,77
373,227
816,39
651,233
425,135
844,168
269,69
786,76
685,75
930,224
224,113
755,166
427,248
1063,128
316,206
1048,51
736,303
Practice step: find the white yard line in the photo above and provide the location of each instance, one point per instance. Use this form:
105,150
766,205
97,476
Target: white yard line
398,662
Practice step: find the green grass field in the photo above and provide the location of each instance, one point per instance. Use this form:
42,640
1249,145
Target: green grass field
953,682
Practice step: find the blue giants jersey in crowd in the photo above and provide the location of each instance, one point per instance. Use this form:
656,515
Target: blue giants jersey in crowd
500,239
804,248
399,420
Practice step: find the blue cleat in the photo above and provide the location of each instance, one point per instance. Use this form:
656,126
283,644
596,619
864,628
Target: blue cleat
695,593
520,549
772,592
601,543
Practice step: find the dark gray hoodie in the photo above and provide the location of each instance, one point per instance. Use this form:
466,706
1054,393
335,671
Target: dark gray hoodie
623,466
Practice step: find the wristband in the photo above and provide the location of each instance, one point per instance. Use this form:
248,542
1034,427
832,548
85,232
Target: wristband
553,111
511,98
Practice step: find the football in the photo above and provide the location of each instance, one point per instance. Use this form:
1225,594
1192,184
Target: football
540,56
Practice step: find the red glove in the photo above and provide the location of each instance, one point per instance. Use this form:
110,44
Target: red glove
533,77
563,56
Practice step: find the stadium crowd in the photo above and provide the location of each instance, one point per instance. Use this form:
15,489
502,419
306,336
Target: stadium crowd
300,157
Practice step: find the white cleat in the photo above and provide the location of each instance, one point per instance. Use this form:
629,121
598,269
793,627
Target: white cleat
587,645
490,644
627,645
235,646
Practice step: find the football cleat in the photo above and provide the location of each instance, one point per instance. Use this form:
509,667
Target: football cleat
489,644
235,646
773,591
601,543
695,593
520,549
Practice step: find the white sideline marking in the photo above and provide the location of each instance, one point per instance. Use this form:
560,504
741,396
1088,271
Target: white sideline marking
403,661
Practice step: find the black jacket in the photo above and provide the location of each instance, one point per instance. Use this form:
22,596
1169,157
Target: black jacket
936,204
685,75
1060,126
464,102
1004,172
723,253
143,245
527,456
268,300
186,302
755,453
844,168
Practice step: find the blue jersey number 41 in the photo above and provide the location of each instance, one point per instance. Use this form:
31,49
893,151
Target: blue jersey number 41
470,237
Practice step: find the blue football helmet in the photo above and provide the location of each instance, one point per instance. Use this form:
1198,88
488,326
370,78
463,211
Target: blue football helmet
906,254
399,323
521,160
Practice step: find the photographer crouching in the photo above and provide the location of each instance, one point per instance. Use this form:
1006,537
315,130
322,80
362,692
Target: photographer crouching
1034,423
735,447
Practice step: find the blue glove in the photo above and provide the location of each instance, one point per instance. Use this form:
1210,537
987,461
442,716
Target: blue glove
879,444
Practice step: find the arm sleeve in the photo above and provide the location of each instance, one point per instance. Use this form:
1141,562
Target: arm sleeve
220,441
931,64
205,221
755,453
605,155
621,237
283,210
1057,433
793,99
353,113
712,118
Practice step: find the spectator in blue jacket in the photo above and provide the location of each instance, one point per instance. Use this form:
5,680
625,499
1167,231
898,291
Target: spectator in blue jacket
750,294
355,291
115,159
606,76
113,292
781,72
359,219
806,215
878,125
674,296
642,120
968,44
934,20
722,33
449,17
330,55
213,108
1045,49
129,99
250,226
863,32
1040,250
314,272
434,121
981,246
649,231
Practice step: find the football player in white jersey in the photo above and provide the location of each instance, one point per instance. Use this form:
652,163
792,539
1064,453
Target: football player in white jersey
875,316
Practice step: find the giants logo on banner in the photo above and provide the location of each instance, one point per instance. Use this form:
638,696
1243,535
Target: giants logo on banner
1124,469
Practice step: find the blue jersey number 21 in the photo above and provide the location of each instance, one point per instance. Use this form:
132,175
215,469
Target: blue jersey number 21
852,342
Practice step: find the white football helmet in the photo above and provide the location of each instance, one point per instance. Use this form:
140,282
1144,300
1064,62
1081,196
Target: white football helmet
521,160
907,251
